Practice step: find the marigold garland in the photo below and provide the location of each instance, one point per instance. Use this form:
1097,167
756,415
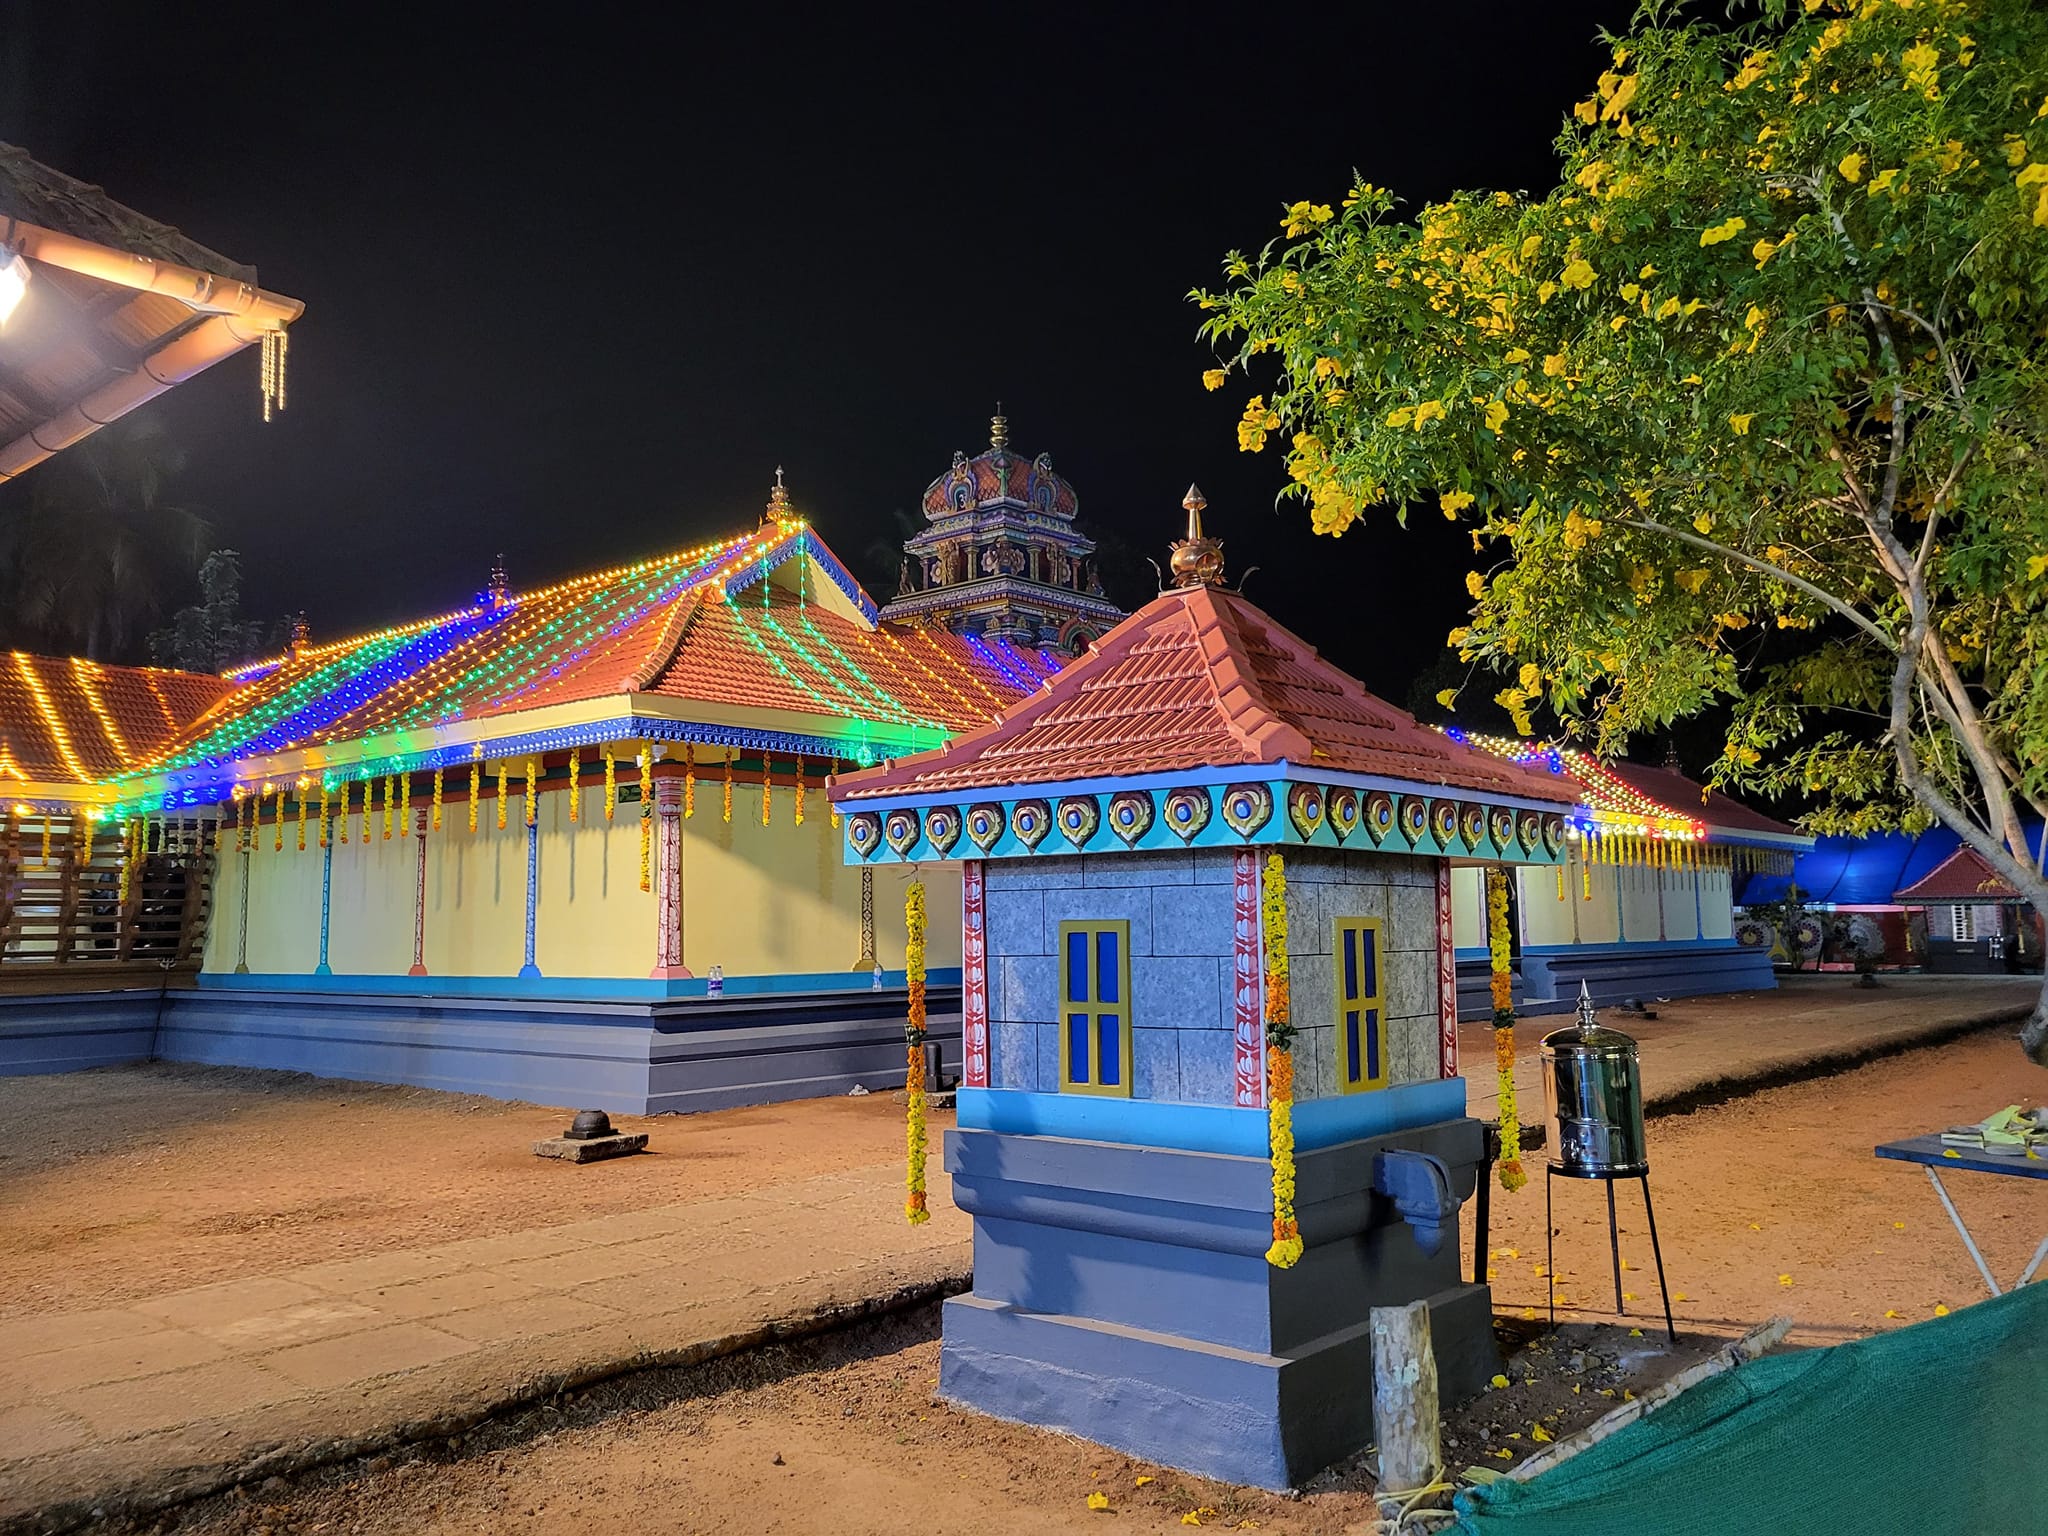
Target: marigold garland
646,817
575,784
46,837
1287,1245
243,813
302,819
501,796
404,802
689,780
767,786
914,1209
368,786
277,822
835,809
1512,1176
799,791
476,781
324,799
731,756
530,788
342,820
437,799
611,783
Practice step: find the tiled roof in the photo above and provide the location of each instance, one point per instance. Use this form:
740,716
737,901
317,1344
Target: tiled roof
1964,876
690,624
1669,787
65,720
1199,678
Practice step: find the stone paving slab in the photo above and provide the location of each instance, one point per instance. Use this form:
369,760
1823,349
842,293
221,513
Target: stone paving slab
145,1404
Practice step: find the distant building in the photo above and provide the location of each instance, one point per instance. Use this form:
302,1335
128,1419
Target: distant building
1002,558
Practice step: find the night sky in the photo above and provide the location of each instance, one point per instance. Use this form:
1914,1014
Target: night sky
575,286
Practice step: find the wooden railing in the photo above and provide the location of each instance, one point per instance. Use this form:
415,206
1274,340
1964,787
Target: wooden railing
62,899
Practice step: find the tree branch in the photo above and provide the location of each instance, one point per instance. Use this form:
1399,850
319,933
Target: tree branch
1777,573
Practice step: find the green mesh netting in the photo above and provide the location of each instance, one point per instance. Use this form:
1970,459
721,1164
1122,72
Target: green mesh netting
1940,1427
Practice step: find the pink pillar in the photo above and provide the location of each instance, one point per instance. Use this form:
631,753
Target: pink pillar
668,881
1248,982
419,897
1446,976
973,977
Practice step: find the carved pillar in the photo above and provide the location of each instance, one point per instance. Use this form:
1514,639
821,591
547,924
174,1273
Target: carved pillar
973,978
866,962
1446,976
668,880
242,931
419,899
530,971
326,891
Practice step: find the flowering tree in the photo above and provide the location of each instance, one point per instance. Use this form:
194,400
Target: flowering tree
1748,410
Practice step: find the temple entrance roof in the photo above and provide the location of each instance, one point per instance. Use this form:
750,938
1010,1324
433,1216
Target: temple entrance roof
1965,876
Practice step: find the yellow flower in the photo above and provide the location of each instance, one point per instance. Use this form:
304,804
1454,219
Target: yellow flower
1667,309
1851,166
1544,290
1534,243
1578,273
1496,415
1624,93
2036,564
1741,423
2015,149
1727,229
1617,322
1475,584
1539,1434
1212,378
1448,697
1400,418
1587,111
1428,411
1516,355
1940,1310
1454,502
1098,1501
1554,364
2032,175
1302,218
1692,580
1882,181
1755,320
1763,251
1922,61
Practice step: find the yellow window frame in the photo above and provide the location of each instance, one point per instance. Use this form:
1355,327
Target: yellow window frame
1094,1005
1355,996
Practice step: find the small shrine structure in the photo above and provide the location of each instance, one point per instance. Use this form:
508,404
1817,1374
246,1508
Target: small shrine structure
1974,920
1211,1111
1002,558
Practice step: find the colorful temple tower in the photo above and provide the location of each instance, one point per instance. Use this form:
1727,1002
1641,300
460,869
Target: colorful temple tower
1207,959
1002,558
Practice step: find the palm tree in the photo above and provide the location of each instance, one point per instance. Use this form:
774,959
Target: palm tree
89,546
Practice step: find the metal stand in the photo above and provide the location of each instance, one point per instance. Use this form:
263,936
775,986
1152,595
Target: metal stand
1552,1172
1482,1202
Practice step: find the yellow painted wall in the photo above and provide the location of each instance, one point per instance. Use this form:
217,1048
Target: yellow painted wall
1468,907
1681,904
1547,916
756,900
1717,904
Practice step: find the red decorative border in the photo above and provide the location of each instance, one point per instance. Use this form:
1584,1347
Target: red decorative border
1245,984
1446,976
973,978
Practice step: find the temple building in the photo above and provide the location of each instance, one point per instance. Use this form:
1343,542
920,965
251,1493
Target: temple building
1002,558
567,843
1643,905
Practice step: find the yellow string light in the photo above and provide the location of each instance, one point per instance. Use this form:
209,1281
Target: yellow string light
575,785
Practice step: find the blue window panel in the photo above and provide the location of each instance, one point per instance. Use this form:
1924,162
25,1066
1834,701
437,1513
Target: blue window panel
1077,968
1109,1036
1351,1045
1077,1046
1106,968
1366,941
1372,1047
1350,964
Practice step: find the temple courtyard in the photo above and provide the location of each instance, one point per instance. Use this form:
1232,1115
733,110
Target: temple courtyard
367,1308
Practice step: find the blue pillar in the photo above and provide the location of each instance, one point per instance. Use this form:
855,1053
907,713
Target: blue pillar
326,894
531,971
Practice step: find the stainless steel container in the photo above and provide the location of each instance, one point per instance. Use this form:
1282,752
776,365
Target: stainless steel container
1593,1099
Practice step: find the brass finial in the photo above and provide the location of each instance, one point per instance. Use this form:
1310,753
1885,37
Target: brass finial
1197,560
999,428
778,509
302,633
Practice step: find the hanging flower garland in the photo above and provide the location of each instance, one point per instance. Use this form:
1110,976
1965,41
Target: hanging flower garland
913,968
731,756
404,802
530,788
437,798
342,821
368,787
1287,1247
611,783
501,796
1511,1175
575,784
324,800
476,773
243,816
127,861
46,837
302,818
689,780
835,809
799,791
646,816
767,786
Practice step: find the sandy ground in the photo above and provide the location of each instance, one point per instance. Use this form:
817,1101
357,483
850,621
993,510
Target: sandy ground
1771,1204
112,1182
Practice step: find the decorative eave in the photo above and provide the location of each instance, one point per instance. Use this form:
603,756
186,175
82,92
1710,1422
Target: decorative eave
991,589
1268,805
1007,517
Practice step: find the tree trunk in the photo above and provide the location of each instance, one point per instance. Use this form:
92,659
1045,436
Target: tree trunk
1404,1399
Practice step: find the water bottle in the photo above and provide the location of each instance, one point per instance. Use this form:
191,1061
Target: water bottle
714,984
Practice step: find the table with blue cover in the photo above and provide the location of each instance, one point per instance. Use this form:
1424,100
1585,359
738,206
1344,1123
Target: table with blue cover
1934,1155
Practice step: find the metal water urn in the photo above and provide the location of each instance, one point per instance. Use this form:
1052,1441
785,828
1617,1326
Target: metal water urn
1593,1099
